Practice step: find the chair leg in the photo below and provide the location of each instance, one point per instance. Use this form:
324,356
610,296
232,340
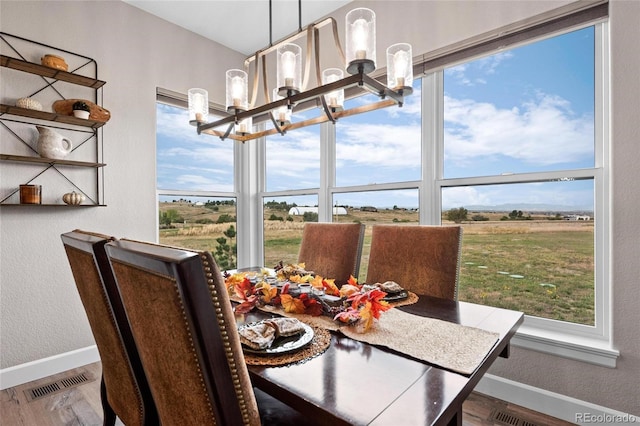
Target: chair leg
109,416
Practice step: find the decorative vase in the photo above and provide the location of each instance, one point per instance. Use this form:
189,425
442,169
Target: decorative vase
52,144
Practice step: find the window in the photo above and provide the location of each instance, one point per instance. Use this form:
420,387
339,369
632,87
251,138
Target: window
519,157
195,188
380,146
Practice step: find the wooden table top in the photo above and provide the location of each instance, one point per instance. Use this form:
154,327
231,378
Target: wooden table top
361,384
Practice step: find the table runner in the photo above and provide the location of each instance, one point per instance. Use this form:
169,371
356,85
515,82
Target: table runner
452,346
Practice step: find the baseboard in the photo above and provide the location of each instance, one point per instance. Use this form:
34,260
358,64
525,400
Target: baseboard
40,368
553,404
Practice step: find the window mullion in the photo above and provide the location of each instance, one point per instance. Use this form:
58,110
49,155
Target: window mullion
432,147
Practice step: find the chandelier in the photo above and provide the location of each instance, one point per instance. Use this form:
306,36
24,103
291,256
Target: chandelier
291,93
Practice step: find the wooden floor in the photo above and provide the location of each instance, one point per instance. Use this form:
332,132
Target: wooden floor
72,398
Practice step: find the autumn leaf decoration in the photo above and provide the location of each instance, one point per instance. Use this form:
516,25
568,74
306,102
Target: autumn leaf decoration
363,308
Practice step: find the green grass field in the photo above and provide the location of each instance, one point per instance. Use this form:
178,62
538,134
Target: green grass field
541,267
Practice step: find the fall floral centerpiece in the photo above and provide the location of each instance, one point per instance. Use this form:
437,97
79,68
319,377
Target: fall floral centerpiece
352,304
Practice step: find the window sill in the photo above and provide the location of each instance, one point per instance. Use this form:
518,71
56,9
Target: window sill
586,349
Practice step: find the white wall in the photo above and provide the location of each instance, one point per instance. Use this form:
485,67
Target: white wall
136,52
40,311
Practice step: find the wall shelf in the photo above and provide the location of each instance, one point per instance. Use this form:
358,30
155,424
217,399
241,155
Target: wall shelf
17,117
50,161
31,68
49,116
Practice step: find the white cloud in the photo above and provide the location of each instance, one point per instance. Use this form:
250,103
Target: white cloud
541,132
461,74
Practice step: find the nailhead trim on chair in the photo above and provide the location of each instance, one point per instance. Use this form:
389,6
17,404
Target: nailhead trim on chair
225,337
193,349
455,294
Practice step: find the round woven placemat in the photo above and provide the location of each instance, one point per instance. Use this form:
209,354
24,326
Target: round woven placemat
319,344
410,300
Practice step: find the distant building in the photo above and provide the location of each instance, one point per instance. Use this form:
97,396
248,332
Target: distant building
298,211
577,217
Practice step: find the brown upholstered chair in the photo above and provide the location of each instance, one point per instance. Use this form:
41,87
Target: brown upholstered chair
124,389
185,329
423,259
332,250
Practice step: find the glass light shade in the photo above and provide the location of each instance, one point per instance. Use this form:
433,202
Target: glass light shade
335,99
399,66
198,106
361,40
237,90
289,69
281,114
244,127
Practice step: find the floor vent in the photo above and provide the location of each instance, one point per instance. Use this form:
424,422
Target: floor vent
51,388
506,418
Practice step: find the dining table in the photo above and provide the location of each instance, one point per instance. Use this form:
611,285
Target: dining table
354,382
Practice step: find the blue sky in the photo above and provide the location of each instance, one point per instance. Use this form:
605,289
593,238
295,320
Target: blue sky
527,109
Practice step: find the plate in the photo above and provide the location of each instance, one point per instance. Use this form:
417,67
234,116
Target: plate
401,295
283,345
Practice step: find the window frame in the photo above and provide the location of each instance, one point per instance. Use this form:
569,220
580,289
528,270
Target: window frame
587,343
577,341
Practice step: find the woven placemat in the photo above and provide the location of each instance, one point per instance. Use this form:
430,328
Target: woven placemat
319,344
410,300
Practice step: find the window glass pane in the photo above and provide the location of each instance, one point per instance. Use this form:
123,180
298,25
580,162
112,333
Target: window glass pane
186,160
381,146
527,109
376,207
293,159
528,247
284,219
200,223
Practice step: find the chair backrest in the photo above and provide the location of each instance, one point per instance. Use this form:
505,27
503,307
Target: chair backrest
185,330
423,259
332,250
124,386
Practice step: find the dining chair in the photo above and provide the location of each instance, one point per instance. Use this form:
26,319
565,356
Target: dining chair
183,323
332,250
124,389
423,259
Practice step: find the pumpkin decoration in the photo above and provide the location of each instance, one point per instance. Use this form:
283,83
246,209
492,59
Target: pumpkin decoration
73,198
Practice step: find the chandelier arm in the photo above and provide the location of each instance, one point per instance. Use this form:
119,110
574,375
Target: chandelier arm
275,124
336,39
310,122
316,39
265,80
326,109
254,88
307,60
379,89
